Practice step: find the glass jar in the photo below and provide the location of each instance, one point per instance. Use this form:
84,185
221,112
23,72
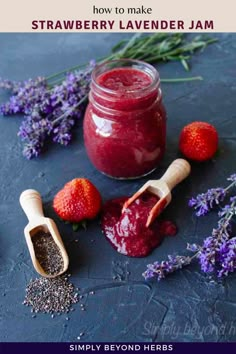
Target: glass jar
125,120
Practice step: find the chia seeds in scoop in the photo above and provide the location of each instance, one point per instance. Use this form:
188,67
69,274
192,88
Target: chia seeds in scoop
47,253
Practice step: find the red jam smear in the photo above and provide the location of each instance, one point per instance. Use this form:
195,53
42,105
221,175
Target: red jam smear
127,231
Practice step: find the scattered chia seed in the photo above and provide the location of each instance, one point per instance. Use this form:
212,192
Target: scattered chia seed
47,253
50,295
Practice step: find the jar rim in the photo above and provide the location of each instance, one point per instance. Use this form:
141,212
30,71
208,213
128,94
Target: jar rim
147,68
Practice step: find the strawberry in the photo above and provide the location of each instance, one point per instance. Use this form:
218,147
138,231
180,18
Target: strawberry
198,141
78,200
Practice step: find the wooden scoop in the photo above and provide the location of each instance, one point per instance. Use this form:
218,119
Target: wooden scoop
176,172
31,203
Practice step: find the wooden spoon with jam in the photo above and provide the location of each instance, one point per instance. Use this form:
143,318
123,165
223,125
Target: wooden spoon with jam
176,172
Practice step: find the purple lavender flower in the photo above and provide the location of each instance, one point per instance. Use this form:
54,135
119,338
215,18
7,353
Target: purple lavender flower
49,113
193,247
232,177
226,257
33,148
62,133
9,85
207,255
219,251
227,210
223,231
160,270
204,202
226,214
212,253
233,199
218,256
25,96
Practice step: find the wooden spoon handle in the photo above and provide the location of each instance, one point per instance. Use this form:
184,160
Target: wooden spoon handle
176,172
31,203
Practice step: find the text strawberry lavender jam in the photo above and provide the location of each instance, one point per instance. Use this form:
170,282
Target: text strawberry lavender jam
83,25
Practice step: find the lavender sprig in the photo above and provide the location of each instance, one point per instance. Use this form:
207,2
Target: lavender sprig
160,270
232,178
50,113
204,202
217,254
227,258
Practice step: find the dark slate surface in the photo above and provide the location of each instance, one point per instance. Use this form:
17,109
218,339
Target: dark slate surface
186,306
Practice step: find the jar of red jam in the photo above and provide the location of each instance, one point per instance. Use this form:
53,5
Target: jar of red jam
125,121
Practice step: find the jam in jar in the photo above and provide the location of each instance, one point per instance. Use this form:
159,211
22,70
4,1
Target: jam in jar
125,120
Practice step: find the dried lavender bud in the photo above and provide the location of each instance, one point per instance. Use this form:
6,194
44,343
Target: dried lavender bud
50,295
228,210
207,255
224,223
26,95
160,270
226,257
192,247
233,199
232,177
204,202
9,85
218,256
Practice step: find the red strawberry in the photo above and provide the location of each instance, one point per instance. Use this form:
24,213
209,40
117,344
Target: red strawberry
198,141
78,200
